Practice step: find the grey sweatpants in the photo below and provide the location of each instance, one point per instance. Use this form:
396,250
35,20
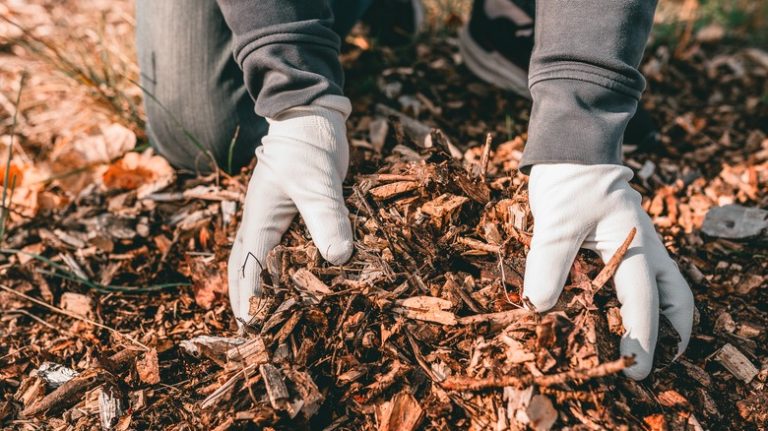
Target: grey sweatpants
583,75
196,100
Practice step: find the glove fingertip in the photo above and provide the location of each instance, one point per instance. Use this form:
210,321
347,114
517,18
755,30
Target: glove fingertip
639,370
540,299
643,358
339,252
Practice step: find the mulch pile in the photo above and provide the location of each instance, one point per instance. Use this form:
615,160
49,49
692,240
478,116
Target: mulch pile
115,315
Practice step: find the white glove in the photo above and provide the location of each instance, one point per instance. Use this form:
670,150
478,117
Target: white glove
301,166
593,206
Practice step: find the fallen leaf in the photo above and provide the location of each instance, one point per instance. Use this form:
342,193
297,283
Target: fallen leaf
138,171
656,422
77,303
148,368
541,413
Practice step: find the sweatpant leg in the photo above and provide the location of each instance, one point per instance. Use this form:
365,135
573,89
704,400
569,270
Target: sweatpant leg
583,78
195,97
195,94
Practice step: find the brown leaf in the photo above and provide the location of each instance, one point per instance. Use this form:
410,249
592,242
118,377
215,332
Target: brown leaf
148,368
541,413
656,422
77,303
135,170
401,413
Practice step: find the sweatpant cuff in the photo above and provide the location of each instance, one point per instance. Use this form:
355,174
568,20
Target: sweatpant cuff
579,118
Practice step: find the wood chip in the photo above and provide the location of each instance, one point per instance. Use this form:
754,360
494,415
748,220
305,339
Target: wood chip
734,361
401,413
310,283
254,351
276,389
444,205
735,222
391,190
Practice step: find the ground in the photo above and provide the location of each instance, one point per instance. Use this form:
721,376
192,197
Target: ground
112,261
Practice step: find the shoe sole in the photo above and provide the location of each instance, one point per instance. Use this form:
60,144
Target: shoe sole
492,68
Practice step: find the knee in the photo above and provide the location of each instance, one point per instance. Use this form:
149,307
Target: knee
198,137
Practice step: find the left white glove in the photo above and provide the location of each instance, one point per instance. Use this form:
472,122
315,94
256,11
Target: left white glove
593,206
301,165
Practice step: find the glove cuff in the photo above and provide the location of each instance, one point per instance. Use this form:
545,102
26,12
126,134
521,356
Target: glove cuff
327,106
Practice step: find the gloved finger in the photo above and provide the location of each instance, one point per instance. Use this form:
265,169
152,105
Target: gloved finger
547,265
676,301
267,215
322,207
637,292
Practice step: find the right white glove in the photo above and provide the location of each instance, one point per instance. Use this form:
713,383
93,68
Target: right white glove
301,165
593,206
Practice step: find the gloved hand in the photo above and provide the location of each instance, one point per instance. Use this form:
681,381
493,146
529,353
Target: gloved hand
593,206
301,166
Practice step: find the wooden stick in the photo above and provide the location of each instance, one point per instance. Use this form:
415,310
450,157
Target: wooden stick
75,316
613,264
485,155
458,383
71,392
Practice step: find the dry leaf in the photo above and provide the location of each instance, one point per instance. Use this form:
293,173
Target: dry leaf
656,422
148,368
77,303
541,413
136,171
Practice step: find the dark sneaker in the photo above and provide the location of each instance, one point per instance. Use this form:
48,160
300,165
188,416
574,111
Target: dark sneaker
496,45
394,22
497,42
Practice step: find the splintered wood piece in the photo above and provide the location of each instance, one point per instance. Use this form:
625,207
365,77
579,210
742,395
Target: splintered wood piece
475,189
30,391
429,315
444,205
212,347
518,216
401,413
486,155
276,389
613,263
111,406
459,383
310,283
311,397
70,392
734,361
502,318
393,189
425,303
253,351
478,245
227,387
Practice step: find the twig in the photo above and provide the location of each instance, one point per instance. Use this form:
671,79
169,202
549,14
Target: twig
75,316
613,264
7,173
458,383
71,276
70,392
485,155
37,319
